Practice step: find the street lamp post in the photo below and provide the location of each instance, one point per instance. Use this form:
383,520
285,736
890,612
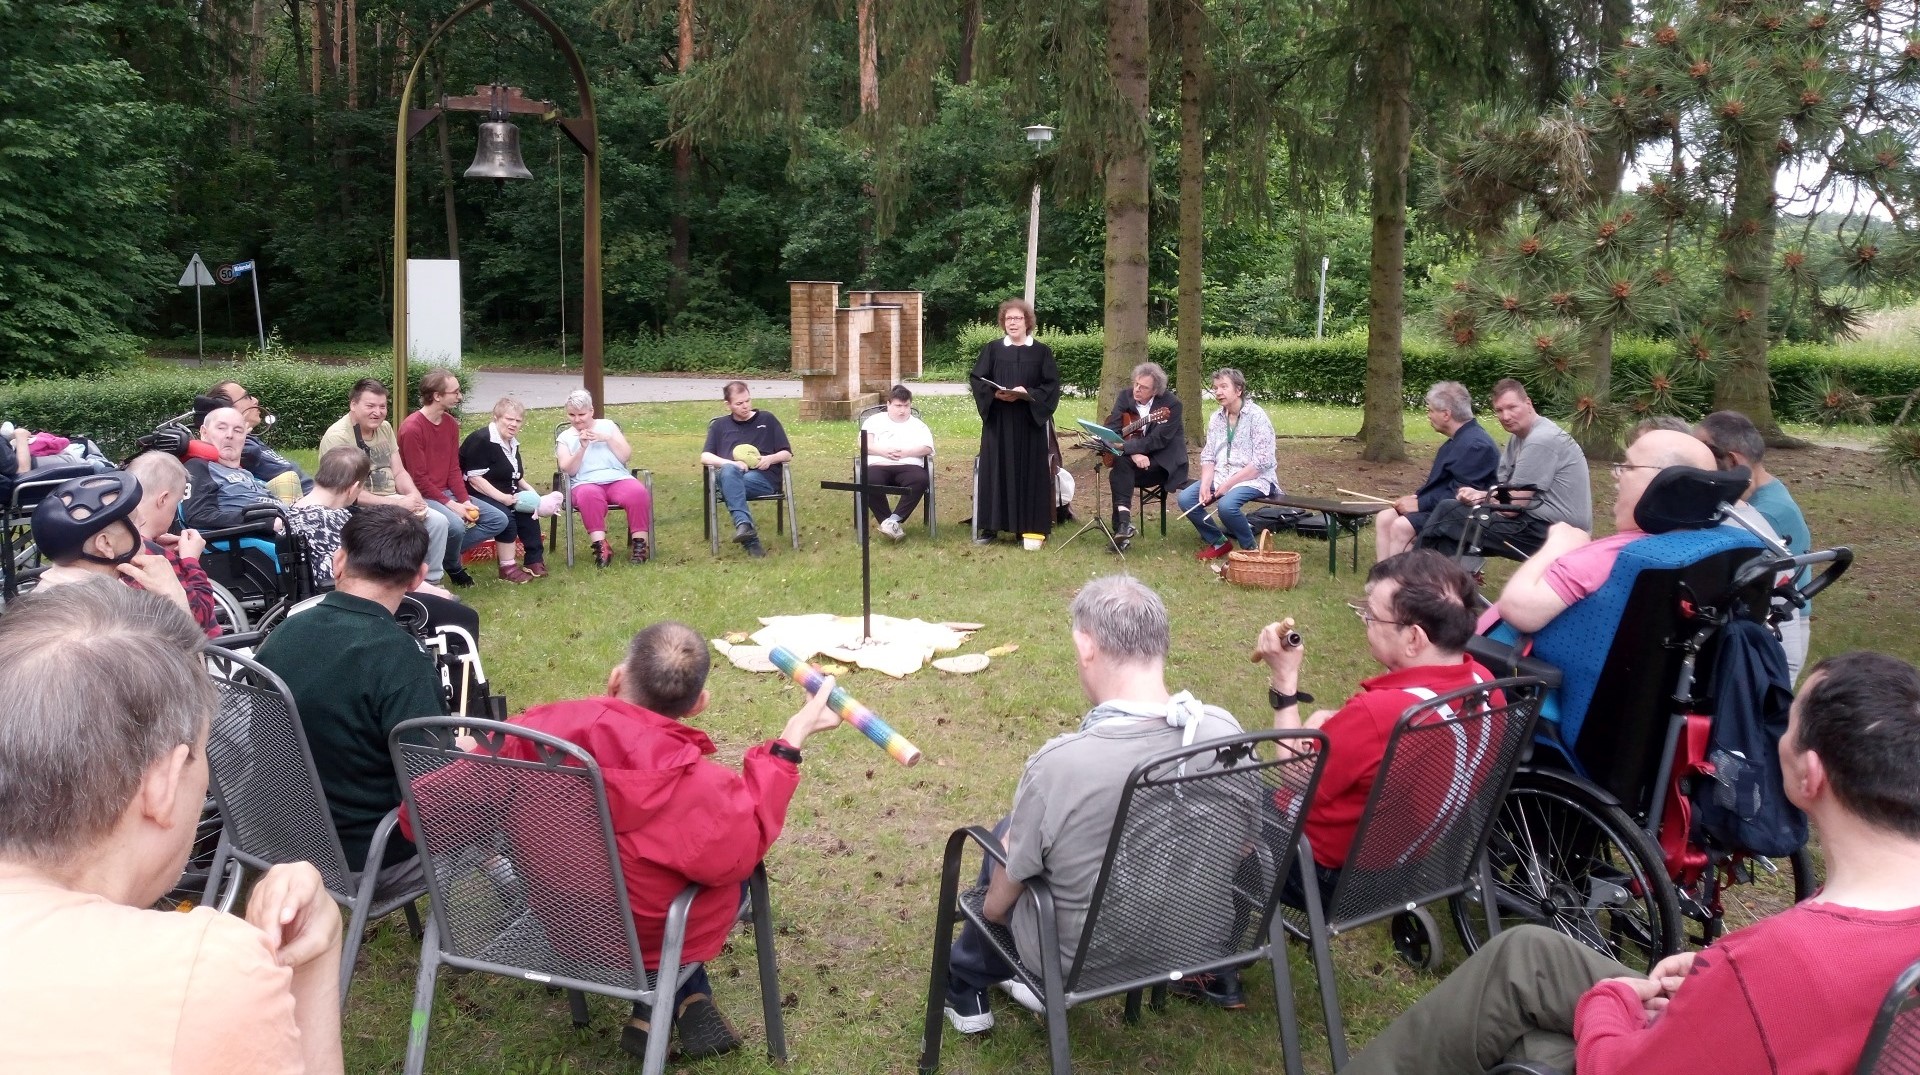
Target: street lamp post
1039,134
500,102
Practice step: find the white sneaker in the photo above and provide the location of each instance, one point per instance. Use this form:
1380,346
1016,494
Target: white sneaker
890,526
1017,989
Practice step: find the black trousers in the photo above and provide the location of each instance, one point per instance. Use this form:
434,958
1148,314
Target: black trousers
1124,478
1514,537
973,963
911,476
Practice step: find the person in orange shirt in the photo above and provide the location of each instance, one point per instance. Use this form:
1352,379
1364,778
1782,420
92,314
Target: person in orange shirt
104,714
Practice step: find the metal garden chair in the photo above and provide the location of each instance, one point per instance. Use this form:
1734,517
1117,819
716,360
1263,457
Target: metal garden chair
1423,835
520,858
1193,872
273,808
563,484
785,517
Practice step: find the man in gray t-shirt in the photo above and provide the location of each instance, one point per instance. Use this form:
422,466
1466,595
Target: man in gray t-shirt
1539,454
1069,795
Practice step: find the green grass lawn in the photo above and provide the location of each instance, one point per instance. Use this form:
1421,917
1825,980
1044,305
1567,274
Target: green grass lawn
854,874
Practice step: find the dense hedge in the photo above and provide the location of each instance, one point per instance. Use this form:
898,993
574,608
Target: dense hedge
743,351
1333,370
115,409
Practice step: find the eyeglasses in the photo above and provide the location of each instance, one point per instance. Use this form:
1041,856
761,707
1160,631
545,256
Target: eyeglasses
1618,469
1366,615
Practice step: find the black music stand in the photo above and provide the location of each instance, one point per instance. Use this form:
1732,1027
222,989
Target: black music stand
1099,519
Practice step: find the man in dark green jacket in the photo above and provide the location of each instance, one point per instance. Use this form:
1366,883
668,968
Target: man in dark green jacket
355,673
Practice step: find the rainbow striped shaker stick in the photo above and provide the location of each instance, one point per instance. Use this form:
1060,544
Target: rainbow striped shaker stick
809,677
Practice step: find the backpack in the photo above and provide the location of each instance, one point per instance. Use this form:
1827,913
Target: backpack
1740,799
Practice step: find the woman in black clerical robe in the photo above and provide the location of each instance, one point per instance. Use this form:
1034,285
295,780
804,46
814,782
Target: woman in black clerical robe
1015,492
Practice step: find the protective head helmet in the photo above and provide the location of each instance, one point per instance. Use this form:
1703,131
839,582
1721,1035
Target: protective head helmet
76,510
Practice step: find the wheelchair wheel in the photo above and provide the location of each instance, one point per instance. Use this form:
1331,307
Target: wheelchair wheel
1565,858
232,618
1417,940
1743,889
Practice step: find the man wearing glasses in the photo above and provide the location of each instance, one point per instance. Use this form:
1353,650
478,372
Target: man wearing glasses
1418,611
1572,564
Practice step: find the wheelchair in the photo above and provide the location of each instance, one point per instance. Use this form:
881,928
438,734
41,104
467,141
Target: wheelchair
1595,838
259,570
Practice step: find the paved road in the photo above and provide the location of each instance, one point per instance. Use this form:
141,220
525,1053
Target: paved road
482,387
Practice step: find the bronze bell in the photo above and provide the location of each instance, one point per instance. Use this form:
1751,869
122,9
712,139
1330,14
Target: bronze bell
498,154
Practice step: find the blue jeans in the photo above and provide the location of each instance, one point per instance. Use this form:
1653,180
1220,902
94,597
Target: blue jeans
493,524
736,485
1229,507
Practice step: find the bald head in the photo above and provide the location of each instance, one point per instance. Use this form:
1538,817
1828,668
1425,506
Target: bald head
1670,448
1655,451
226,430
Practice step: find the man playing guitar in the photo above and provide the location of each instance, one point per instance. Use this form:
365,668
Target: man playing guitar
1154,446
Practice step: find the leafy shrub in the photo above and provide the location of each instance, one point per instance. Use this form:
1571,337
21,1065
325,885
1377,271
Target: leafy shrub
116,409
1333,370
749,350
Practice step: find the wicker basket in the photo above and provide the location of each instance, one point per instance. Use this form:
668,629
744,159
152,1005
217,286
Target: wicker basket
1269,569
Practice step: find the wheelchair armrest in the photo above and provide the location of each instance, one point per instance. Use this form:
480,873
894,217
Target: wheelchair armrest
246,640
1838,559
1499,499
1504,660
1524,1067
257,520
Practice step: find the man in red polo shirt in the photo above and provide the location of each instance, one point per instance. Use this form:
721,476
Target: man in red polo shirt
1418,614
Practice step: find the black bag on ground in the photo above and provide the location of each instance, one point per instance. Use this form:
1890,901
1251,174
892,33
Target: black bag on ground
1743,804
1279,520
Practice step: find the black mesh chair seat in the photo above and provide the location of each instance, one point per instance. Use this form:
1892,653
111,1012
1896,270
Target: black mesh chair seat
272,807
1432,807
517,839
974,903
1193,872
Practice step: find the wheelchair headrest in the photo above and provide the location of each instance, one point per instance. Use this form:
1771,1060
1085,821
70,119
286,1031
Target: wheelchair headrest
1688,498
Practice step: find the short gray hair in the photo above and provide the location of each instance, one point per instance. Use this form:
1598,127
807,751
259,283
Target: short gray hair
100,681
1238,379
1153,370
506,405
579,398
157,471
1452,397
1125,619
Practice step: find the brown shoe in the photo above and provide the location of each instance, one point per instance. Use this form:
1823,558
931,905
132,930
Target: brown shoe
637,550
514,573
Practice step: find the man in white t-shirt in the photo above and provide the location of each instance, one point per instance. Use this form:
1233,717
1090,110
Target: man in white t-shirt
898,447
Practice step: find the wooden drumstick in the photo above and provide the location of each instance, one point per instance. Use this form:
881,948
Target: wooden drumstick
1290,640
1363,496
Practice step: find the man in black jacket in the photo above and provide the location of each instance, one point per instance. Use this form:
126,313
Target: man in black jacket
1155,453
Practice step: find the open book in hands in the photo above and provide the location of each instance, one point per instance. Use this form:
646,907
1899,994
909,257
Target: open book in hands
998,387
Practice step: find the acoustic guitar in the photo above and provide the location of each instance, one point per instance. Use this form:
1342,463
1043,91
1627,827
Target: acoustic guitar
1134,428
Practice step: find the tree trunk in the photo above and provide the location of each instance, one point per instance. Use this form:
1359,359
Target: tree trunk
679,257
1192,205
1744,386
1390,87
969,34
256,62
317,46
1126,198
303,71
869,60
446,173
353,53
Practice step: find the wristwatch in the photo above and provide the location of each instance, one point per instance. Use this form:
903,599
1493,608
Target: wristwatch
779,749
1282,701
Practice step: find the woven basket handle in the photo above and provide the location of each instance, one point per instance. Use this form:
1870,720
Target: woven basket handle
1265,537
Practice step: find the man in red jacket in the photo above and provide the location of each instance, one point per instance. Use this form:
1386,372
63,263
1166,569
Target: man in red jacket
1792,993
678,817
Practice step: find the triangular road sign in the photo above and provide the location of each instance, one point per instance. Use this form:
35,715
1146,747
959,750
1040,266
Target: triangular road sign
196,274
